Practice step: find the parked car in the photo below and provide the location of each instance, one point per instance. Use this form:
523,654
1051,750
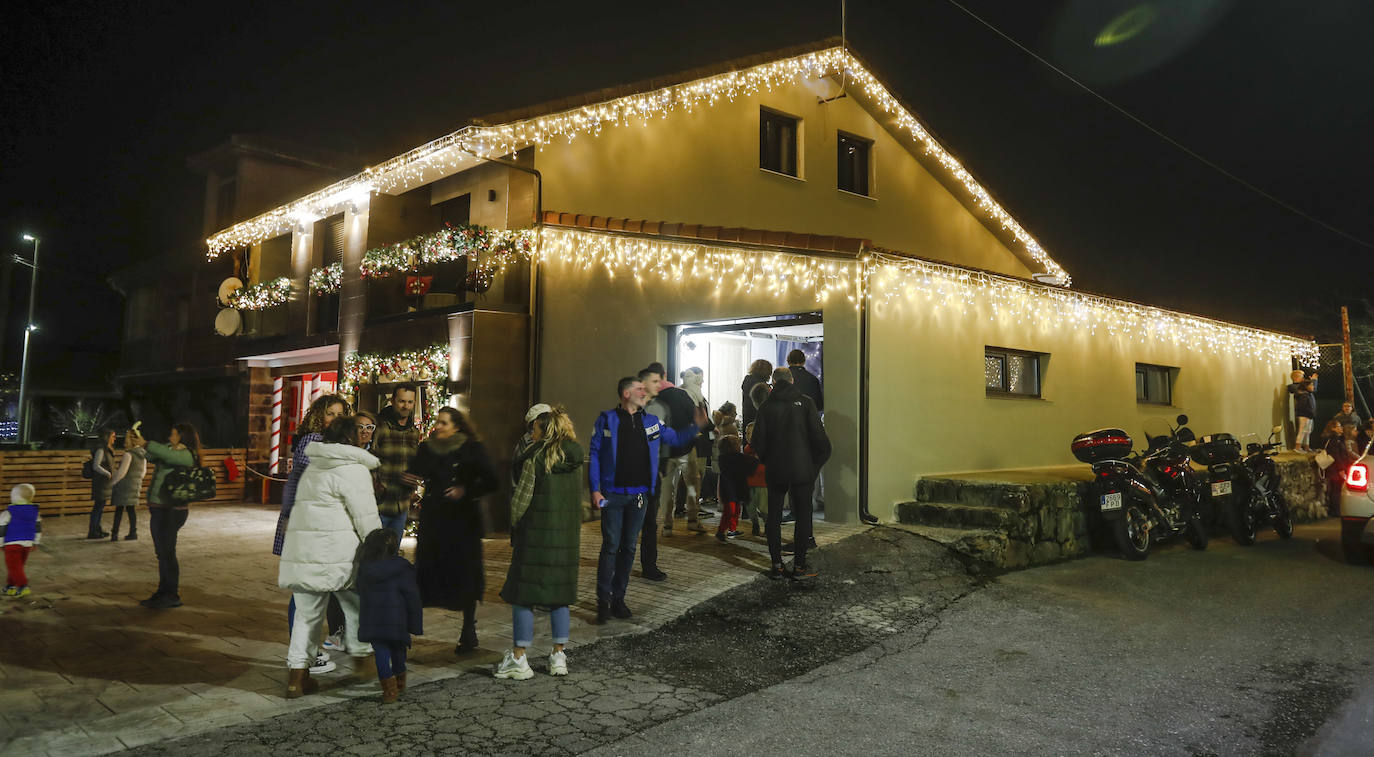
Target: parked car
1357,508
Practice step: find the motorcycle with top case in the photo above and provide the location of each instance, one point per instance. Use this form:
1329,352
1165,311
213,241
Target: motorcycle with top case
1245,490
1143,498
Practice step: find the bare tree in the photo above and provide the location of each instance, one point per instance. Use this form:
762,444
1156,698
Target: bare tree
82,419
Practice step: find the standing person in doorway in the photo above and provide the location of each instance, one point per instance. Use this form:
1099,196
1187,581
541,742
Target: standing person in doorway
807,383
622,469
792,444
546,536
126,486
102,471
759,371
677,410
395,443
167,516
456,472
335,511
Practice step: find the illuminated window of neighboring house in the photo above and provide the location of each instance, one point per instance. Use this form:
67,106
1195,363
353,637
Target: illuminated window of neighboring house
777,142
1154,384
852,171
1011,372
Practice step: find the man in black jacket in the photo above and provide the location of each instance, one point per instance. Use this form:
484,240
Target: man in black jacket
792,445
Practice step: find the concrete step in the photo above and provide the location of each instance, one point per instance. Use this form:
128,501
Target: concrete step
969,492
955,515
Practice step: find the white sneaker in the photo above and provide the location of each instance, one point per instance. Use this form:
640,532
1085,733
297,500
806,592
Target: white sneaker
334,641
558,664
510,667
322,664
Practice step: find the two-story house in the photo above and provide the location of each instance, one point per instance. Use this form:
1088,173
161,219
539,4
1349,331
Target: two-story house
709,219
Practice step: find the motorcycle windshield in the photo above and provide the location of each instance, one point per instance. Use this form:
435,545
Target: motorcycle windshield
1158,432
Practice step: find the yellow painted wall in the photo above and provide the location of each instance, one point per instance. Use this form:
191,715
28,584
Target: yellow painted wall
702,168
930,412
596,330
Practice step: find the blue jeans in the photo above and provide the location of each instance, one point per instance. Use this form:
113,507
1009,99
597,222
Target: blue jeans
523,621
622,517
390,658
396,523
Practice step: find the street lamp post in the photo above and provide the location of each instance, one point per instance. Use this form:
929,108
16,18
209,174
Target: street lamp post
28,335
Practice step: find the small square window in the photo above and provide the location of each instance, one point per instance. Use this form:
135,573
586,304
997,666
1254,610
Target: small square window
777,142
1011,372
1154,384
852,170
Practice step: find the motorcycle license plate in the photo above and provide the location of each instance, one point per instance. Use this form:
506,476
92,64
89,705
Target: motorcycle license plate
1221,488
1111,501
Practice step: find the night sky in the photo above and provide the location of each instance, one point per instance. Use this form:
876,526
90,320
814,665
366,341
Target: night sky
101,108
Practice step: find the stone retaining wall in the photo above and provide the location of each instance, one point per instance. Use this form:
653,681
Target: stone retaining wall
1044,516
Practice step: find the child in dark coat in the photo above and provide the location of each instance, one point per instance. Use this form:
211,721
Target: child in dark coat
735,469
389,609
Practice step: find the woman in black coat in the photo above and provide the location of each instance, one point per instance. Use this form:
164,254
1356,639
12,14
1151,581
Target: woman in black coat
456,472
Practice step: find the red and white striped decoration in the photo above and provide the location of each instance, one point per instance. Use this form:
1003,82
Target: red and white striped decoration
274,454
315,388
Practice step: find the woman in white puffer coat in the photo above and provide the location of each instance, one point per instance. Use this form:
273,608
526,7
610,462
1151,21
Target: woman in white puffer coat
335,510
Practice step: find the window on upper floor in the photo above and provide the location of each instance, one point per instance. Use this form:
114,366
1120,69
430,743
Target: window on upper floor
1154,384
1011,373
778,142
853,163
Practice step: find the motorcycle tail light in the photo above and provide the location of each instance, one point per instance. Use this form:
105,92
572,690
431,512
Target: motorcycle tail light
1357,480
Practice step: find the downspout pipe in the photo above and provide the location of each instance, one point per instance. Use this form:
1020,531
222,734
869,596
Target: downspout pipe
864,271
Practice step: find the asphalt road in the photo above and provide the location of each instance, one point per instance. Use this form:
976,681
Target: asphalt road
898,649
1235,650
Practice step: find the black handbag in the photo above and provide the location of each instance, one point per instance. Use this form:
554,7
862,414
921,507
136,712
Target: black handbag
189,484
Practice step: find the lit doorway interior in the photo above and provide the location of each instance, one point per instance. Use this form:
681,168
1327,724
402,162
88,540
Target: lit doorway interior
724,350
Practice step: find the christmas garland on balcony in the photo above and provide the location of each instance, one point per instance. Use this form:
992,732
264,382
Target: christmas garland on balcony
491,250
326,280
428,366
262,295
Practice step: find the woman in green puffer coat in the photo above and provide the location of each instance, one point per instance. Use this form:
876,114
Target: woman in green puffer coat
546,533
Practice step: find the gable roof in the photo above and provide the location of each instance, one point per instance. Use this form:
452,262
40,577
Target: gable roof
512,131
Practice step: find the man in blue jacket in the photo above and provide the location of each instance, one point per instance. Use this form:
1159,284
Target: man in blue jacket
623,469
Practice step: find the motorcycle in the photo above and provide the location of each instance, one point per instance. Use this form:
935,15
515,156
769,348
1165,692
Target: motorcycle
1245,490
1143,497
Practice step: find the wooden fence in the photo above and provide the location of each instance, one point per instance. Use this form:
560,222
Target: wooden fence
56,474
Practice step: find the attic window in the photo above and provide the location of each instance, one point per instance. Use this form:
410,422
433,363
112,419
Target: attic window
777,142
853,164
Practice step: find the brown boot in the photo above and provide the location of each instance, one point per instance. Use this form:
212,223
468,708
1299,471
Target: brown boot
364,667
400,682
299,682
390,691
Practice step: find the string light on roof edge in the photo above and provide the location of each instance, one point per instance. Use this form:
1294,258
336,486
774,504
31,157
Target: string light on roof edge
451,151
888,277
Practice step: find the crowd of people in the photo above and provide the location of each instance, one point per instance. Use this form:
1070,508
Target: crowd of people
1341,442
356,477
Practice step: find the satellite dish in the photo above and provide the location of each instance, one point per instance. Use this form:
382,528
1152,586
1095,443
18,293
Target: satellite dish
228,322
228,287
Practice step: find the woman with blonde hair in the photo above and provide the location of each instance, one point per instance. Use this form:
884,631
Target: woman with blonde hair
546,533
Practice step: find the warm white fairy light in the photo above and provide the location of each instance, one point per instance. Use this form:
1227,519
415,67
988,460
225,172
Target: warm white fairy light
1034,306
882,277
455,151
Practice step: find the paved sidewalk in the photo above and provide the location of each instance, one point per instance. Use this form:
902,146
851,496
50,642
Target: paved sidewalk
86,670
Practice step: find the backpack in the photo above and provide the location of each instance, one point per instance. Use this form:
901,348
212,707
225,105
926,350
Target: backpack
88,468
189,484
